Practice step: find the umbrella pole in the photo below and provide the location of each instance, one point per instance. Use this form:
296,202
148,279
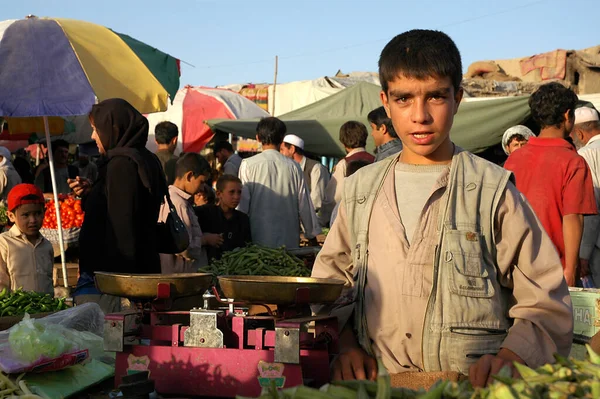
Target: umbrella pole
56,203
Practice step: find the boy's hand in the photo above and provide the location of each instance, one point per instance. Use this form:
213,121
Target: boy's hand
480,374
354,364
214,240
584,264
570,276
80,186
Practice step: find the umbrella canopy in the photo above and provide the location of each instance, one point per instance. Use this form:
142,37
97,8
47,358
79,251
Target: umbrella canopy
192,106
60,67
477,125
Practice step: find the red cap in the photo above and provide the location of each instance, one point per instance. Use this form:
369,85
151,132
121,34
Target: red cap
17,194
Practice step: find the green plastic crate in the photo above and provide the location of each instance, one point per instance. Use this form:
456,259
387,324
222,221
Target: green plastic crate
586,303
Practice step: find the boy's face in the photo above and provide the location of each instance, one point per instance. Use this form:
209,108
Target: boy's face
515,144
422,112
28,218
231,195
194,183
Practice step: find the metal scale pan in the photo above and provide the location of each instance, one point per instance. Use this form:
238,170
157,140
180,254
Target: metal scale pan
144,286
279,290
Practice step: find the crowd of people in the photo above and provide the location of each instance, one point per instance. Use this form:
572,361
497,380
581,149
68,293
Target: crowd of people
495,246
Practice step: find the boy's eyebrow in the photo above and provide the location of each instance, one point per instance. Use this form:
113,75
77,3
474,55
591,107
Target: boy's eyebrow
439,91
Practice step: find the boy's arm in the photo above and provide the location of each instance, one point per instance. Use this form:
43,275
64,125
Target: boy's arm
4,275
530,266
335,261
572,232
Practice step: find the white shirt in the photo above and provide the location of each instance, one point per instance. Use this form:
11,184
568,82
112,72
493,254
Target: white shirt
319,176
591,226
276,199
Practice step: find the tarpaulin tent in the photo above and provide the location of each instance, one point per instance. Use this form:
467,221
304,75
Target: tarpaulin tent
477,126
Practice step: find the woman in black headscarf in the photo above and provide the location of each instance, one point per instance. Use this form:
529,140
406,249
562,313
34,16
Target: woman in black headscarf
122,206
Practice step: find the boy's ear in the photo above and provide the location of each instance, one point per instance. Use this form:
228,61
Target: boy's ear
189,176
458,98
11,216
174,140
385,102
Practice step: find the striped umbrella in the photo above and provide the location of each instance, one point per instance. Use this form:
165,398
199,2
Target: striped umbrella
193,105
61,67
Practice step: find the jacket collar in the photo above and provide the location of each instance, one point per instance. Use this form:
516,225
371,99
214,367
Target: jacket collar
389,145
15,232
180,192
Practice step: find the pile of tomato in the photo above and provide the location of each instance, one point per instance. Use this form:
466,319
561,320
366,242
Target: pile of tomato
70,213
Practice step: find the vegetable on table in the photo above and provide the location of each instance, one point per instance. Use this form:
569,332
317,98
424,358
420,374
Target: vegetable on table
71,213
19,302
565,379
15,389
256,260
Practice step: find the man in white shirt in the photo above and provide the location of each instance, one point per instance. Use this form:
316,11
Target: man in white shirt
316,175
586,136
274,193
230,161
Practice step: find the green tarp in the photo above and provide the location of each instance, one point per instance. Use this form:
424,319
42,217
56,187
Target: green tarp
477,126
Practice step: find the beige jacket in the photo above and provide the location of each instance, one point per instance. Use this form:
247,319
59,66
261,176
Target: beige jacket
25,265
400,281
194,256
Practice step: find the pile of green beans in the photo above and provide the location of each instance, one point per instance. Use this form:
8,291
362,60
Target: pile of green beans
19,302
567,378
255,260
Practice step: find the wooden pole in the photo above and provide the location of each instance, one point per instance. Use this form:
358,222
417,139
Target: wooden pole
274,86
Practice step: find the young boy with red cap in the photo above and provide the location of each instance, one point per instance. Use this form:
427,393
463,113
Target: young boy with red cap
26,257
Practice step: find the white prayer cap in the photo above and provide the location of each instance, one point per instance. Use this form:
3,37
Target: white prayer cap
585,114
294,140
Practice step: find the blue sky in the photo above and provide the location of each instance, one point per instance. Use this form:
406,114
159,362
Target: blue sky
235,41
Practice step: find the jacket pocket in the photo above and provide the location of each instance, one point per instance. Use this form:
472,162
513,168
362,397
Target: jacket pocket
468,275
468,345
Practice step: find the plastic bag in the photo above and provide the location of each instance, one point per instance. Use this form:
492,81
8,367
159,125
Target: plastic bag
52,343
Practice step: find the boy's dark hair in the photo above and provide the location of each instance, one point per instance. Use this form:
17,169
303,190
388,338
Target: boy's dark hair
208,193
222,145
194,163
164,132
353,134
420,54
59,144
223,180
299,150
550,102
516,137
354,166
379,117
270,131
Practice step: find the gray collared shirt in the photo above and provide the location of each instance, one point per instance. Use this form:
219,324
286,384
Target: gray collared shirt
388,149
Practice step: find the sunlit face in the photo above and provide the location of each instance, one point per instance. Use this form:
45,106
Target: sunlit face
422,112
231,195
28,218
96,138
288,152
378,134
515,145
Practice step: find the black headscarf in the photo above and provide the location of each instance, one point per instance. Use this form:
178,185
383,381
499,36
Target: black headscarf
123,131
